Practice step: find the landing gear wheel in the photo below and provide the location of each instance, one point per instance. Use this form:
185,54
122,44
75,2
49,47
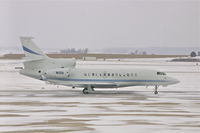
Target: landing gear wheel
85,91
92,88
156,90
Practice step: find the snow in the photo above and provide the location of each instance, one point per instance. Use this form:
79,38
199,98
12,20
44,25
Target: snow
29,105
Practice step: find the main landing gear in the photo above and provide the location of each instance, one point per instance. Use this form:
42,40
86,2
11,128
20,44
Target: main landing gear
88,90
156,90
85,91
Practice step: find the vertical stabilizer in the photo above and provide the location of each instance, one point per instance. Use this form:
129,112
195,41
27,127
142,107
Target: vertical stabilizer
31,51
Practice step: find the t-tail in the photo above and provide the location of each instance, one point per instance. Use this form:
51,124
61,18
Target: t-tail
31,51
37,64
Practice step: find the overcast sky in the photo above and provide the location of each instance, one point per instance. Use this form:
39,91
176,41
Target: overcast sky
101,23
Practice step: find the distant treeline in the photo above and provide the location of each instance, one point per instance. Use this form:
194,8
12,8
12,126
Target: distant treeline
74,51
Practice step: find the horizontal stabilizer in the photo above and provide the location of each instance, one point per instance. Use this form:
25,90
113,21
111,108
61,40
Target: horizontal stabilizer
26,59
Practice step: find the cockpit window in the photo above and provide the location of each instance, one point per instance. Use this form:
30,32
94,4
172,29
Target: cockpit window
59,72
161,73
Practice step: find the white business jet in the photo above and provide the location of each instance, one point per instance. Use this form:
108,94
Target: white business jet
64,72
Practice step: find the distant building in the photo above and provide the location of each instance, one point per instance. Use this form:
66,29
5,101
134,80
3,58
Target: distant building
198,53
144,53
138,53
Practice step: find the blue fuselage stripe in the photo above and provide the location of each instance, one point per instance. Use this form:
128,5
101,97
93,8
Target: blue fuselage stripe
106,80
29,50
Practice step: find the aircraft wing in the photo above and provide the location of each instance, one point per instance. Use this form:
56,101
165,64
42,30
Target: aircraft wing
103,84
95,85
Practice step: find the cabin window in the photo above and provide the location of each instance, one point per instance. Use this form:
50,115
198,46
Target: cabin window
39,71
127,74
113,74
59,72
104,74
67,73
120,75
161,73
85,74
135,74
108,74
92,74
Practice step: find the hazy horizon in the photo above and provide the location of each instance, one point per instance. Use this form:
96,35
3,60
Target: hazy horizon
99,24
121,50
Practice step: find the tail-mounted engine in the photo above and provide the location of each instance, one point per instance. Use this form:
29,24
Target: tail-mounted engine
57,73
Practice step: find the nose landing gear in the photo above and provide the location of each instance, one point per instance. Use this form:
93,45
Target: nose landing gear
156,90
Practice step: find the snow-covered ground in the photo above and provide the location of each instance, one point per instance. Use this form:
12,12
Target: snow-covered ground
28,105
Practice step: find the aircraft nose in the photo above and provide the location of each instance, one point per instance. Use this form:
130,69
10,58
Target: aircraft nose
174,81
